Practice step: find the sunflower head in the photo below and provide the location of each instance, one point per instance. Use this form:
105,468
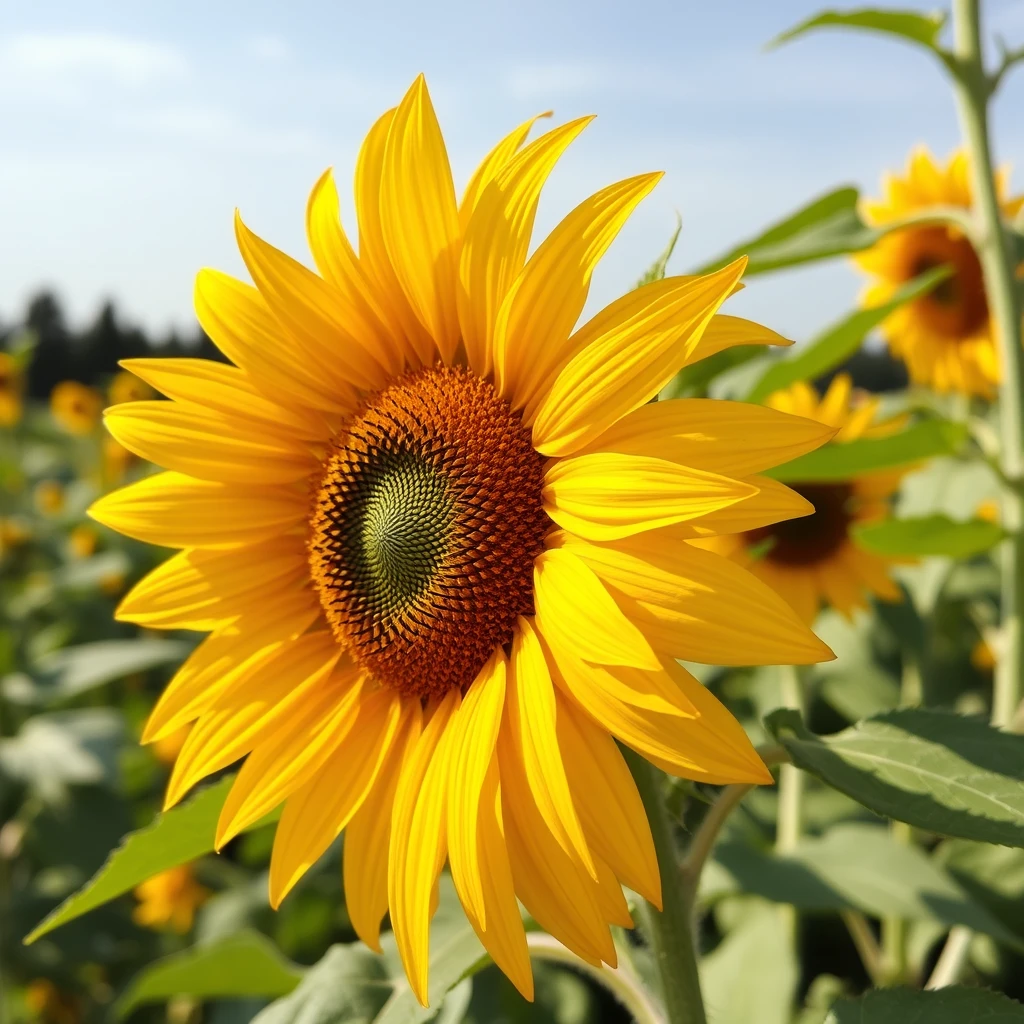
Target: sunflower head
76,407
11,387
170,899
439,535
945,337
815,559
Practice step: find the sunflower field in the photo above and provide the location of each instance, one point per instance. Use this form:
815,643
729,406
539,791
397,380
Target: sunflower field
432,651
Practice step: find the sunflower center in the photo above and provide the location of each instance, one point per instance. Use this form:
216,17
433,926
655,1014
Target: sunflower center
424,529
810,539
956,306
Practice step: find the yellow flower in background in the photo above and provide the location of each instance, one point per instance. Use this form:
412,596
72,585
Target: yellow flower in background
170,900
49,1004
815,559
11,388
76,407
944,337
82,541
116,460
13,533
126,387
438,539
48,497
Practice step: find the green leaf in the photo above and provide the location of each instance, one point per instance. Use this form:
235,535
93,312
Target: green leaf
993,875
939,772
245,964
175,837
752,975
929,535
841,340
871,454
910,25
954,1005
828,226
693,380
656,271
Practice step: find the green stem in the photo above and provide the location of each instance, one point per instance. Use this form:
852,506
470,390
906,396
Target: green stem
626,988
788,822
669,930
973,88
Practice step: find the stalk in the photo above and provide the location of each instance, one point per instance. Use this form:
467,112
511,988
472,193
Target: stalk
789,820
669,930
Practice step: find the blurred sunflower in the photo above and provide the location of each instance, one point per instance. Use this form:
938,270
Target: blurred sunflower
76,407
11,388
944,337
170,899
438,539
126,387
50,1004
816,559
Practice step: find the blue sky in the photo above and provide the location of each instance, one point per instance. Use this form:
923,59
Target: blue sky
131,131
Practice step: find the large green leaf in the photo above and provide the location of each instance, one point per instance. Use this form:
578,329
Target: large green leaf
993,875
751,977
954,1005
245,964
872,454
940,772
913,26
175,837
827,226
841,340
929,535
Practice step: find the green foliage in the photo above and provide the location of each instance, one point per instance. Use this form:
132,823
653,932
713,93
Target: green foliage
839,341
912,26
656,271
954,1005
872,454
245,964
929,535
944,773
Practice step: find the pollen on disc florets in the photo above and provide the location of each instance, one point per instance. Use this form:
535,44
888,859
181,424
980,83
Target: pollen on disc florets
424,529
810,539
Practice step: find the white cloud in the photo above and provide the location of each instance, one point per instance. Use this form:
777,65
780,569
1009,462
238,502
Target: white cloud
95,55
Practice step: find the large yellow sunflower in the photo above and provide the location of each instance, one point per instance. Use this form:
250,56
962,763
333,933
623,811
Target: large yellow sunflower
438,539
944,337
815,559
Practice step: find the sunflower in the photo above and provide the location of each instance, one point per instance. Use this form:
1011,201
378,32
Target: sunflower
438,539
11,387
76,407
816,559
944,337
170,899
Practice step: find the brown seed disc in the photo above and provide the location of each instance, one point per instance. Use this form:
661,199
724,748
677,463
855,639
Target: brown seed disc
956,307
811,539
424,529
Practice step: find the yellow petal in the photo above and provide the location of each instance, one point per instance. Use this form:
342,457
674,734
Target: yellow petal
729,331
476,844
573,604
605,495
546,299
419,218
731,438
312,313
497,238
608,802
373,254
202,590
697,605
255,704
178,511
772,503
237,318
338,264
217,387
367,840
491,166
210,446
533,719
293,752
631,360
315,814
418,843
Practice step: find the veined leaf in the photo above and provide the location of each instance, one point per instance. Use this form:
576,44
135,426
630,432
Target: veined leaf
841,340
929,535
176,837
952,1005
871,454
910,25
246,964
937,771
